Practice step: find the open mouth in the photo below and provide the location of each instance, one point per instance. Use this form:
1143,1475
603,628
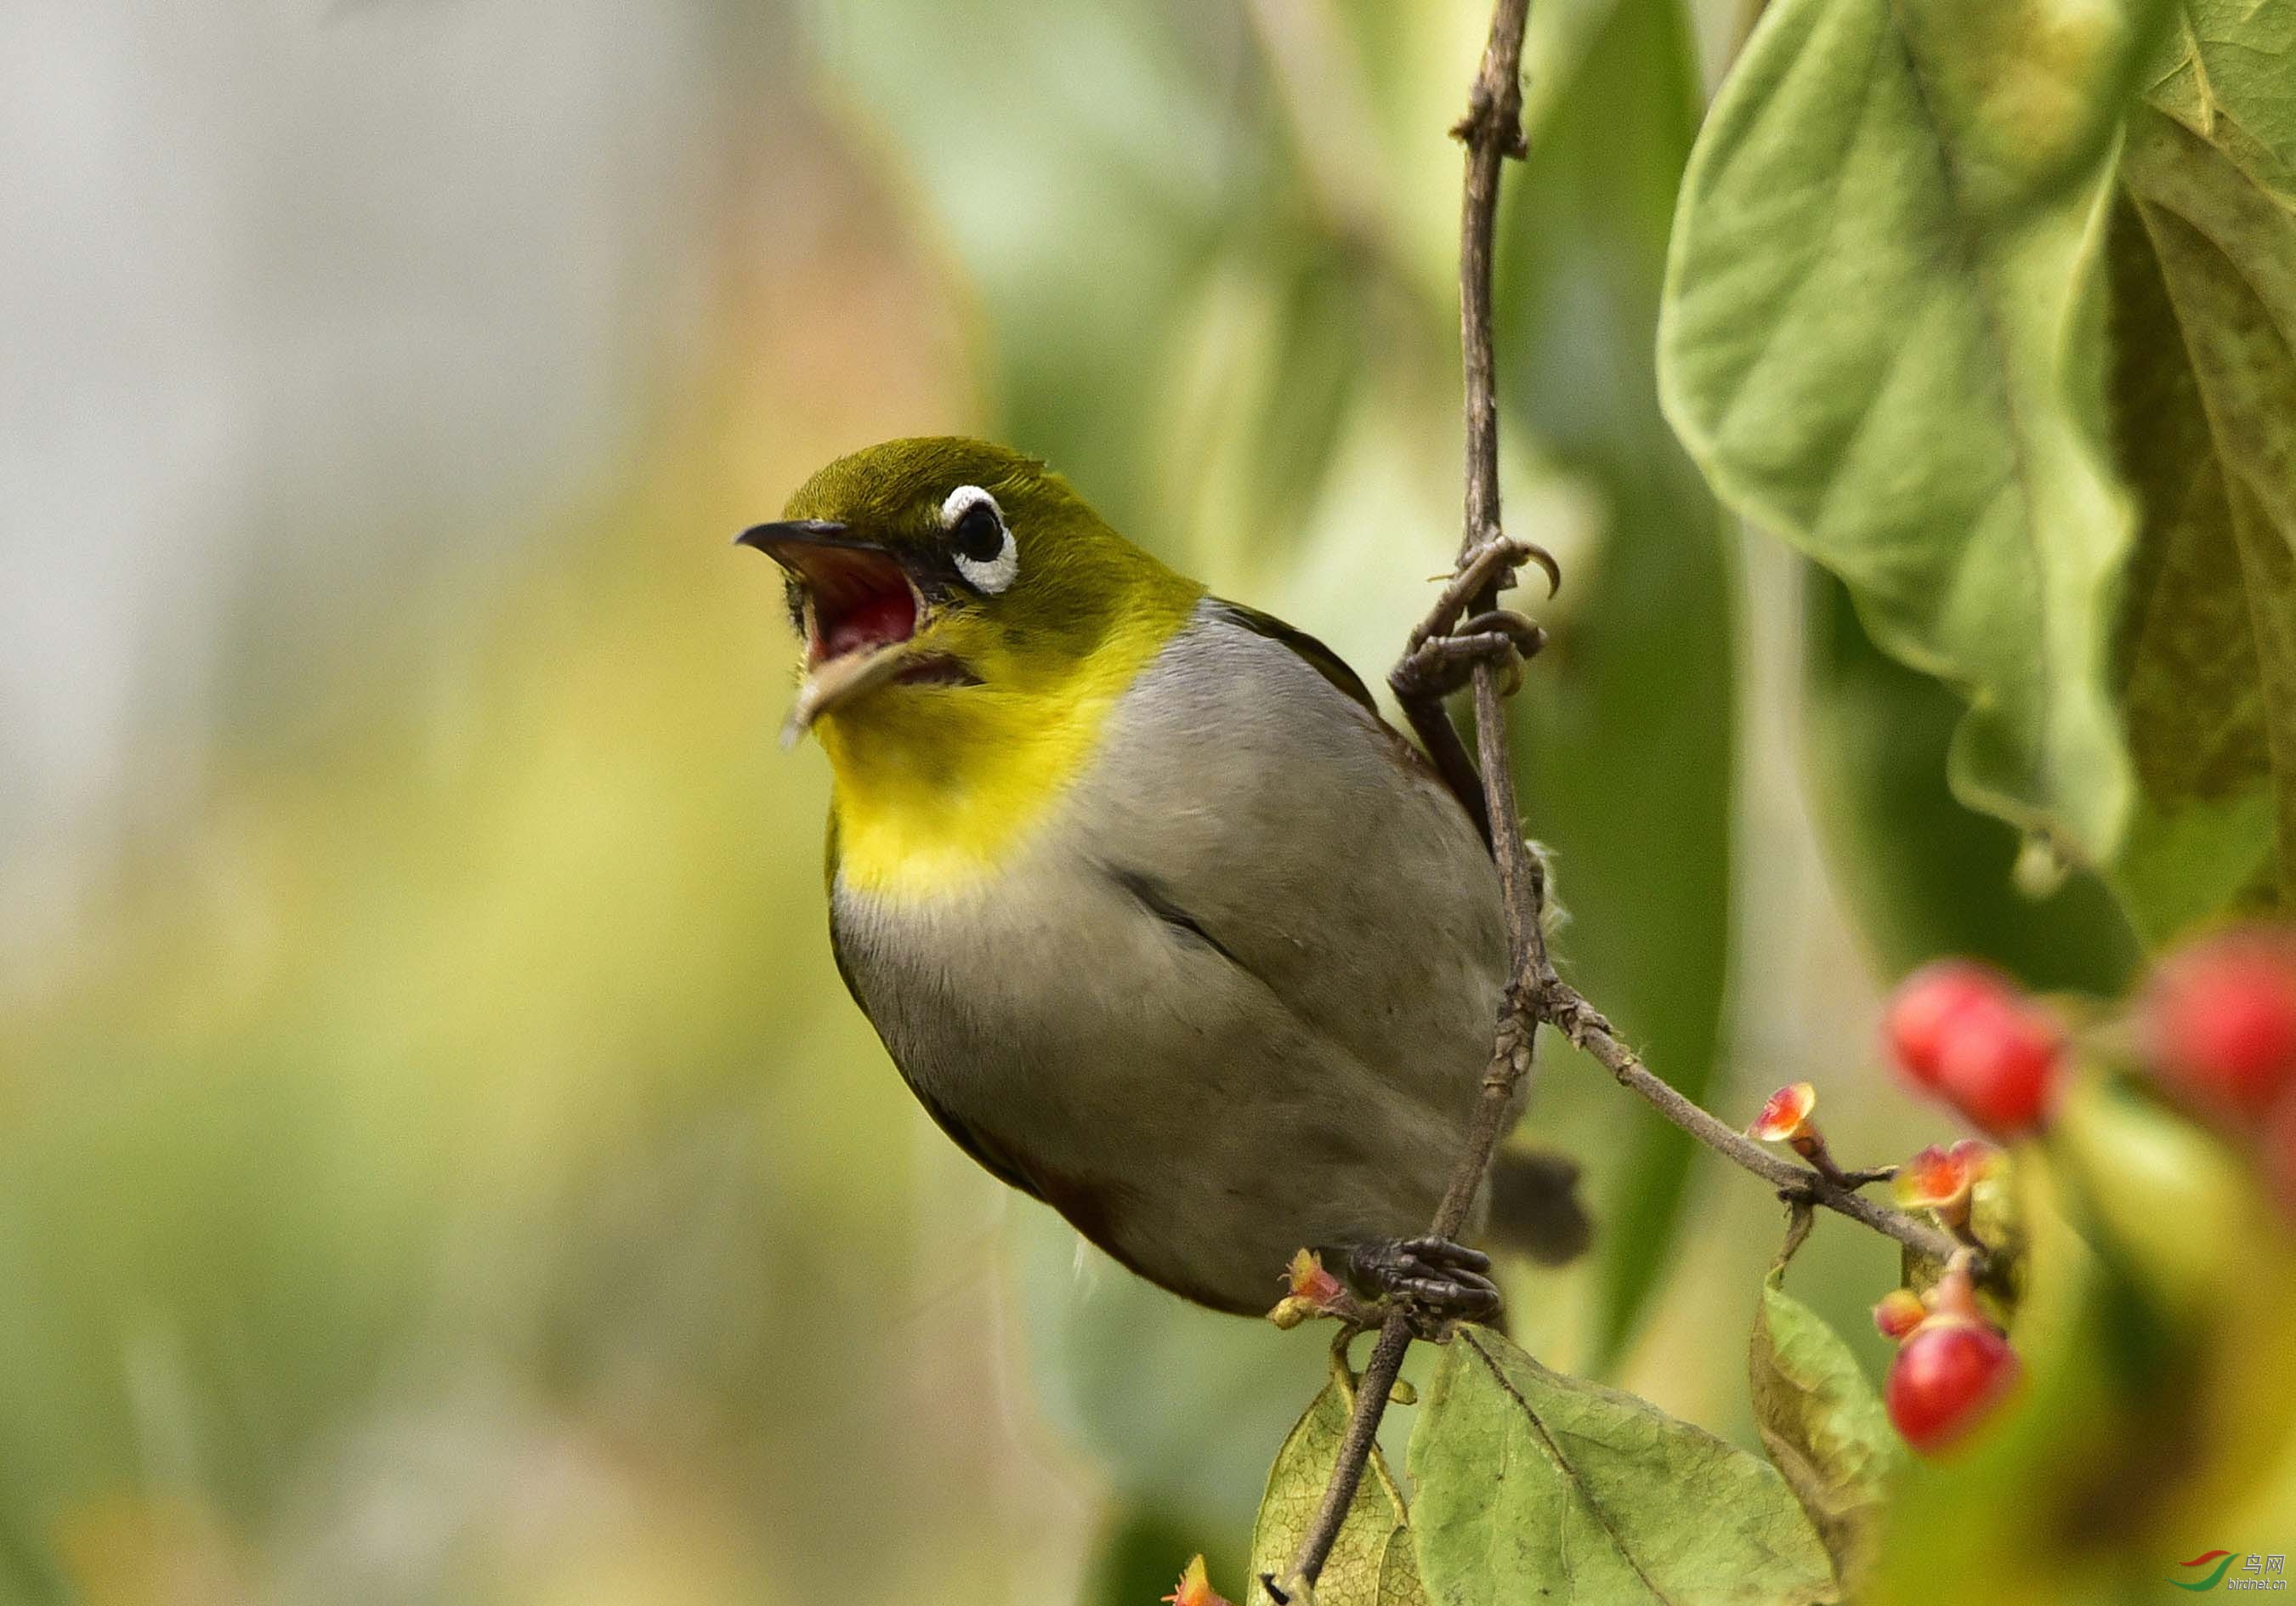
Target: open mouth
856,602
861,614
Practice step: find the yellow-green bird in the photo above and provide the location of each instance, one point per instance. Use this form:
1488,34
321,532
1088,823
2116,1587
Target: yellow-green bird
1160,920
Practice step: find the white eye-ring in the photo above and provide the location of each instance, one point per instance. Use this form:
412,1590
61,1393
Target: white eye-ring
985,555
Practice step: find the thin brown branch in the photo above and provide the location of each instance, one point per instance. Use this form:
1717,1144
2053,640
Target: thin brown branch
1492,133
1579,1020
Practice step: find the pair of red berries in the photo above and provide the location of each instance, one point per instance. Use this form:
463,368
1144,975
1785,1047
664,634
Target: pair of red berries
1963,1031
2217,1022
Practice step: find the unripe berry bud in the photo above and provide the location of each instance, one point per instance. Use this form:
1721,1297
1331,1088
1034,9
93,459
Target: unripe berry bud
1947,1378
1314,1293
1900,1311
1195,1588
1786,1116
2218,1019
1926,1004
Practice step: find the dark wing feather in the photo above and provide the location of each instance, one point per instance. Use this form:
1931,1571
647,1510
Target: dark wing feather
1325,662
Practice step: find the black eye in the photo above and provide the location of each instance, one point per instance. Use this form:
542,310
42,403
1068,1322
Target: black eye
978,533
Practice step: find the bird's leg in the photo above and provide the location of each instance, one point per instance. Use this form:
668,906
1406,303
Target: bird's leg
1442,652
1440,1281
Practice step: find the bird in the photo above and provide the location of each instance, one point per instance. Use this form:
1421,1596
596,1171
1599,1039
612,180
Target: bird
1160,920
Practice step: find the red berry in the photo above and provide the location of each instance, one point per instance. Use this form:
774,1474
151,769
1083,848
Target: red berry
2220,1018
1946,1379
1926,1004
2000,1064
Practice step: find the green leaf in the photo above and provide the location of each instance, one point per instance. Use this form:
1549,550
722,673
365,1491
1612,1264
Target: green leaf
1825,1428
1922,874
2204,394
1879,343
1370,1563
1624,731
2226,73
1533,1485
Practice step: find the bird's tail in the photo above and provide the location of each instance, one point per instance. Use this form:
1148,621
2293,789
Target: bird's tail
1535,1206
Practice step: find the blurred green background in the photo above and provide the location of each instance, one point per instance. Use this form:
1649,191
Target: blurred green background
438,1162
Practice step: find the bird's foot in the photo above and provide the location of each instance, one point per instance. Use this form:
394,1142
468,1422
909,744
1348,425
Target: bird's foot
1440,665
1437,1281
1445,648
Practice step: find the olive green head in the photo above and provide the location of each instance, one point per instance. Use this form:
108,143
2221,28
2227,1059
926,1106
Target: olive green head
921,569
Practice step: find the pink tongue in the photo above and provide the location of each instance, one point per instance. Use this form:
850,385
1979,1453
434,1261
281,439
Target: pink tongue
887,616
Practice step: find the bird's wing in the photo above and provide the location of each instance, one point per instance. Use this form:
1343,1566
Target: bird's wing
1325,662
984,1152
1335,669
1249,797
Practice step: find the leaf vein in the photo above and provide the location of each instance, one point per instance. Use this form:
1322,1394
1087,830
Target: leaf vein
1577,1484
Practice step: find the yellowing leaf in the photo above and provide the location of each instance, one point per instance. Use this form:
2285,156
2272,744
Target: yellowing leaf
1535,1486
1824,1426
2204,393
1371,1564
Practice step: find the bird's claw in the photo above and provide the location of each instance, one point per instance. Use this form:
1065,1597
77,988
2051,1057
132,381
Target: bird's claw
1442,652
1491,564
1437,1281
1501,556
1436,666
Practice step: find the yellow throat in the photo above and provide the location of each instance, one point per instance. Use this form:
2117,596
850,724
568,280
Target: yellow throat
936,787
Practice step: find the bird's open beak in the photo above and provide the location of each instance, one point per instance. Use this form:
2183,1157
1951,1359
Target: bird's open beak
861,611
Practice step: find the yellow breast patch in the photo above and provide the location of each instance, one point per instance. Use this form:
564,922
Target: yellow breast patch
937,786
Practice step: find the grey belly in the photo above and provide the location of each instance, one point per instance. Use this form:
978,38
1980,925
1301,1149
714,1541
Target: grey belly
1234,998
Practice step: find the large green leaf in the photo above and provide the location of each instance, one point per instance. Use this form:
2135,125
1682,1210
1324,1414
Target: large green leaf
1533,1485
1879,341
2204,394
1924,875
1624,730
1372,1562
1823,1427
